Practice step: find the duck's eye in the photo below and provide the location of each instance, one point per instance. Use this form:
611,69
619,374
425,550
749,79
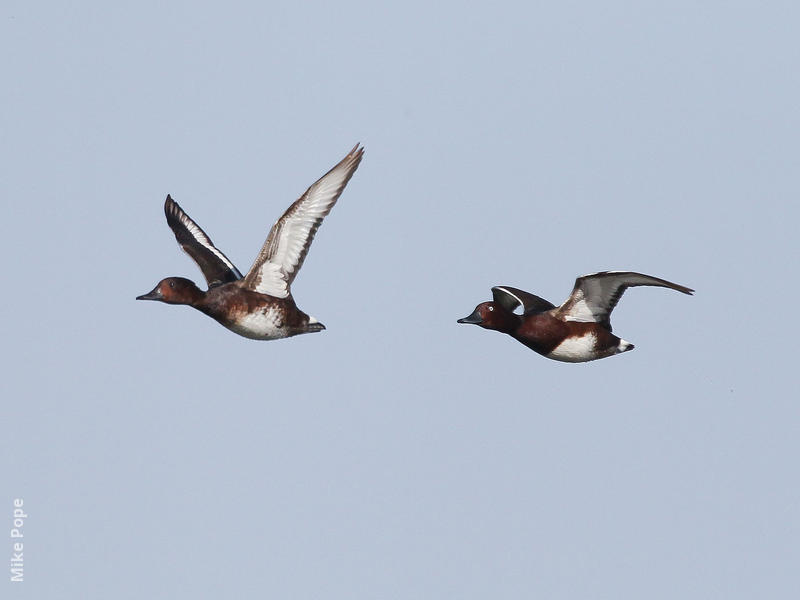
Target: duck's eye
491,308
172,284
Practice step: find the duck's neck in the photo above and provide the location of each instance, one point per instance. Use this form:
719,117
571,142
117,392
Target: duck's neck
506,322
195,297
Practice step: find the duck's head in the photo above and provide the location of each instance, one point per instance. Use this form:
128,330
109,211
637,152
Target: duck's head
491,315
174,290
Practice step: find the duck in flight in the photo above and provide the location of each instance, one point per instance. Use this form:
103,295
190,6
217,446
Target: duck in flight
260,304
577,331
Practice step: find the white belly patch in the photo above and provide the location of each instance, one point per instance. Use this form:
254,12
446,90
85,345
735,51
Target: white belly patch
263,325
575,349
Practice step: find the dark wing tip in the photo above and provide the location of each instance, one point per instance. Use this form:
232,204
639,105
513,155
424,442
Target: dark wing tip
170,206
677,287
176,219
512,297
356,154
173,212
656,281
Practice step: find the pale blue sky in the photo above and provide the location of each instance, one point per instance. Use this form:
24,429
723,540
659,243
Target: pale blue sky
399,455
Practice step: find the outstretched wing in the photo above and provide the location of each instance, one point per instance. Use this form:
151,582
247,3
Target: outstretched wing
215,266
595,296
289,239
510,298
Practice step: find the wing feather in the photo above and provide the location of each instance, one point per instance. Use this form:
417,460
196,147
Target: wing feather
216,267
512,298
288,241
595,296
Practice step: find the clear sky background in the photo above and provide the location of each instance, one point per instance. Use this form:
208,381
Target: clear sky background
399,455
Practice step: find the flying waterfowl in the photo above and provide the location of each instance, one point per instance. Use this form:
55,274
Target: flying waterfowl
259,305
577,331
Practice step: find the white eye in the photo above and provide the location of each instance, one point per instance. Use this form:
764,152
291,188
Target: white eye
491,308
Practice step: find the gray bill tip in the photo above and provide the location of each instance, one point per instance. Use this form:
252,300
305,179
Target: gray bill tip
152,295
473,319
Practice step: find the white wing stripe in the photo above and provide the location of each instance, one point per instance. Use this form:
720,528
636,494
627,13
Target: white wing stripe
198,235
